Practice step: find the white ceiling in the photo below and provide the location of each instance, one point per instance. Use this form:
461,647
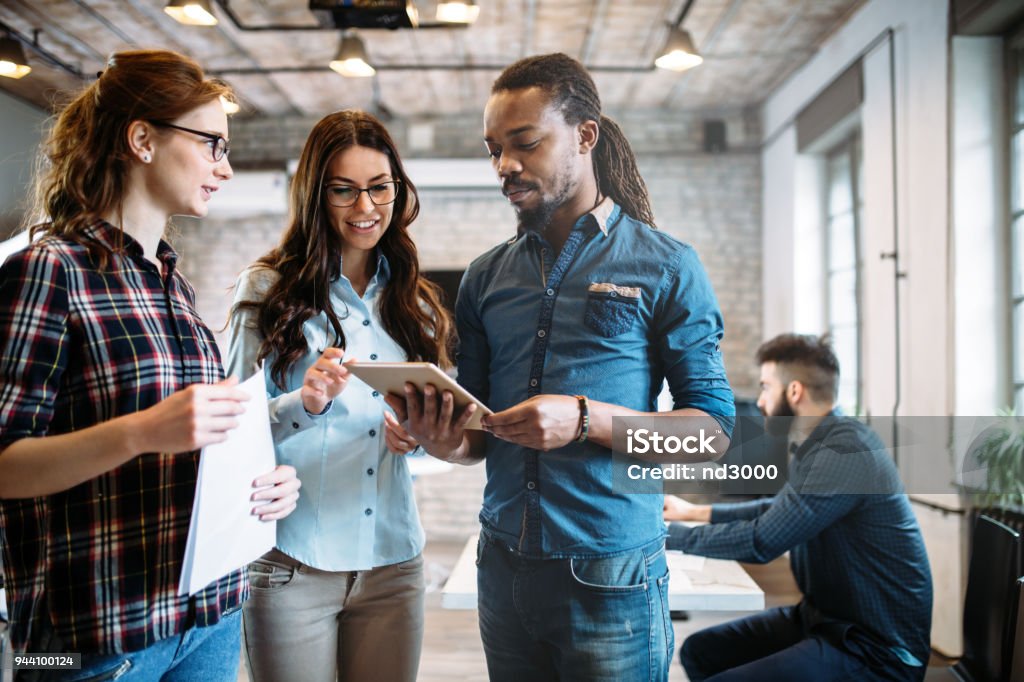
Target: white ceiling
749,46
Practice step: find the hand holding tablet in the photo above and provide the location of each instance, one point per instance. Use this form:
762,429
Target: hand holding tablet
391,377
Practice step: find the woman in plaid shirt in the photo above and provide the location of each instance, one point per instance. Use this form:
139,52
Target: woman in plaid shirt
110,384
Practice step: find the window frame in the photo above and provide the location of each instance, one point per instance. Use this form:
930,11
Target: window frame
851,148
1014,263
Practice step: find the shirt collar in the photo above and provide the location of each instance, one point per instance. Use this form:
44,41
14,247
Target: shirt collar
818,434
380,276
119,241
603,216
603,213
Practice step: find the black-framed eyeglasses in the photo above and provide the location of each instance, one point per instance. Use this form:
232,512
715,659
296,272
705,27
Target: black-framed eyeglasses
219,147
343,196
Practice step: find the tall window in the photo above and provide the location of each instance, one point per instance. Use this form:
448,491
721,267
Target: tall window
843,207
1017,218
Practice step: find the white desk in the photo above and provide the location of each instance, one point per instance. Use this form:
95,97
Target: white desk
717,586
425,465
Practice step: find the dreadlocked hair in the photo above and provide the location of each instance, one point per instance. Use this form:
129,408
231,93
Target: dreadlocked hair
572,91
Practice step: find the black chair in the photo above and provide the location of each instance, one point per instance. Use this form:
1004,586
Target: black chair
990,607
1017,664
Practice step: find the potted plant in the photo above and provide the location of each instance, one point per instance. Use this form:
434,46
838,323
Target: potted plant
999,453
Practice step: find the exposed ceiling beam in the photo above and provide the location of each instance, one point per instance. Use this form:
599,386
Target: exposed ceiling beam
315,68
597,18
33,45
106,22
225,7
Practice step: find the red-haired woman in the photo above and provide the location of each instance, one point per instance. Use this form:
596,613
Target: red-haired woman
342,595
110,384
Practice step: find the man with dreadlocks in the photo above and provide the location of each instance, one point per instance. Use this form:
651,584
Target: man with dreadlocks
577,319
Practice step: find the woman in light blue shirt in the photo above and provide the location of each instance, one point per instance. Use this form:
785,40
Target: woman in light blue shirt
342,593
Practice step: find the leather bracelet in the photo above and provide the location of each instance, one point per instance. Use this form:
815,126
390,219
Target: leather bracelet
584,418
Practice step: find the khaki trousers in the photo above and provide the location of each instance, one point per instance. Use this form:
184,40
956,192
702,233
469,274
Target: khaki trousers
301,623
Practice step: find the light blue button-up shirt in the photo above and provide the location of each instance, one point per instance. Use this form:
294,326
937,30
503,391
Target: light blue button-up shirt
356,509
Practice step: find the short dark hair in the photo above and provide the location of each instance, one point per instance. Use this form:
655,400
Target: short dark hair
805,358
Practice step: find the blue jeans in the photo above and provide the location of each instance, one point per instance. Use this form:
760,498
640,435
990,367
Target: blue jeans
207,653
778,645
593,618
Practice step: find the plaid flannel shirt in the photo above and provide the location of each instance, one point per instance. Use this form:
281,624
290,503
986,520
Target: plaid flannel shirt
80,345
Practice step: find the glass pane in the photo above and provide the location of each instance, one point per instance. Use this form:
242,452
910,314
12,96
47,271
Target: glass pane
1017,257
844,342
848,398
1017,177
858,160
842,252
1018,401
1018,342
840,191
842,298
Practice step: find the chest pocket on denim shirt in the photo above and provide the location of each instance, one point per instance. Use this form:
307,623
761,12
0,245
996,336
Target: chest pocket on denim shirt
611,310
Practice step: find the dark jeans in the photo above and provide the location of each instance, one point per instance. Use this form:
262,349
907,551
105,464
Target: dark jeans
599,618
776,645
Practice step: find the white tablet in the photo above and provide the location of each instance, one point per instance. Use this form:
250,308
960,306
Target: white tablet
390,377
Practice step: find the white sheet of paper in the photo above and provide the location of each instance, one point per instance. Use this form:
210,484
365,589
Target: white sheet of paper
681,561
224,534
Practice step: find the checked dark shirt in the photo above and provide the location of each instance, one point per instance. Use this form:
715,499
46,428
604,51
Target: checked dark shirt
855,546
80,345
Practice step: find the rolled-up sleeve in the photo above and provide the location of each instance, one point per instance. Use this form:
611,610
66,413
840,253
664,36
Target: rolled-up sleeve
688,331
34,339
288,416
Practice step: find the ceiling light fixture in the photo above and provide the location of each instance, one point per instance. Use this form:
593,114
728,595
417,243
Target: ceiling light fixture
13,62
679,53
461,12
191,12
351,60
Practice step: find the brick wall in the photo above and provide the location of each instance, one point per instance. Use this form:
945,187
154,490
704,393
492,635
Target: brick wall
711,201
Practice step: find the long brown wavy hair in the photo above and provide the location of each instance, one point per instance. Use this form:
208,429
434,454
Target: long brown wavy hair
308,258
82,173
573,92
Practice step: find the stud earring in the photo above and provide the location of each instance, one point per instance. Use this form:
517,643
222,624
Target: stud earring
146,158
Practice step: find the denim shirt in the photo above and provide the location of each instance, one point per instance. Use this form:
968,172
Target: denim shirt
619,309
356,509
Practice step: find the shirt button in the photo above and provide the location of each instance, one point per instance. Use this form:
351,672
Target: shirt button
373,432
366,323
550,292
295,425
368,512
376,394
369,472
541,333
531,485
373,356
533,382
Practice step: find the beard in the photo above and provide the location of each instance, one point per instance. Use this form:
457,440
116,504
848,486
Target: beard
538,218
780,419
